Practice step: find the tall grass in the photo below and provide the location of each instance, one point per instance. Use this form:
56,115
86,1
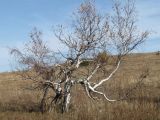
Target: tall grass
19,103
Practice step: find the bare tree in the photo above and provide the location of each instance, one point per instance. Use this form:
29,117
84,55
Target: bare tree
90,35
37,63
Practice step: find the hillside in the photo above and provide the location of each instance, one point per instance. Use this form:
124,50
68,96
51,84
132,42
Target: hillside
19,103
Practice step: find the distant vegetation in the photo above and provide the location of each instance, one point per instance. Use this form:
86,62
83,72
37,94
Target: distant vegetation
158,53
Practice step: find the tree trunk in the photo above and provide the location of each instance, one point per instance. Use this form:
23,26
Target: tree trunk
66,102
43,101
67,97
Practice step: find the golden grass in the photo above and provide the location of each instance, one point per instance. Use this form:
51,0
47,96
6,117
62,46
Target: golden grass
19,103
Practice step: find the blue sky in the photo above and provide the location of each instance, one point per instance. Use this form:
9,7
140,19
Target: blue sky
19,17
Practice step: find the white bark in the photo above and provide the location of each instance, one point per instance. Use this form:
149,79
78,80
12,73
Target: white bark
86,88
78,63
68,98
108,78
95,91
95,70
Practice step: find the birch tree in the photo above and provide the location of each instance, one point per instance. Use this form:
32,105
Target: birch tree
90,35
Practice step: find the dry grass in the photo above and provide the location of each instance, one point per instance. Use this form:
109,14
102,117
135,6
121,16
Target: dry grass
19,103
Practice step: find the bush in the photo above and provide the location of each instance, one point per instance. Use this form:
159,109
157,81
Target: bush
85,63
102,57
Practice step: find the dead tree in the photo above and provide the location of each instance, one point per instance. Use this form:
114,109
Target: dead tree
35,63
91,34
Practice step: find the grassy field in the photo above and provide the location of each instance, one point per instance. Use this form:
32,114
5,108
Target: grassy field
143,103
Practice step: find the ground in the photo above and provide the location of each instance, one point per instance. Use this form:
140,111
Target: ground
17,102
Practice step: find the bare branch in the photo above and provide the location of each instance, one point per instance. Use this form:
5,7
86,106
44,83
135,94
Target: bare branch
95,70
92,37
108,78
